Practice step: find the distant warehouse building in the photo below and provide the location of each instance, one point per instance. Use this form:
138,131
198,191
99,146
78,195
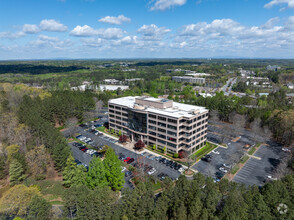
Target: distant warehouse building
160,122
188,79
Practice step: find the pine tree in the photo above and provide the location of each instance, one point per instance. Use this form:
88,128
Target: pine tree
73,174
96,175
16,172
39,208
113,170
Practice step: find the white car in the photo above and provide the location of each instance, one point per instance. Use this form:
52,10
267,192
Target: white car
272,178
227,166
87,140
215,152
223,170
123,169
82,138
286,149
181,170
153,170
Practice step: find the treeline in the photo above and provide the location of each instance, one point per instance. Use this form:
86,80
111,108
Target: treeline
199,198
42,115
37,69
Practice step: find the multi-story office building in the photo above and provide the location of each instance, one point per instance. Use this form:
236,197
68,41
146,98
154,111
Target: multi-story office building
162,122
188,79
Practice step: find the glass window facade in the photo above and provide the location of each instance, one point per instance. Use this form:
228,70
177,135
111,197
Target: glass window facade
137,121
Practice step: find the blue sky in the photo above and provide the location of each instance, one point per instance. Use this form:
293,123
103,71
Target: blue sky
48,29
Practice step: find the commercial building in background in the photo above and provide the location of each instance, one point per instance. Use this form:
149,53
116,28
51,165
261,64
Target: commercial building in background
188,79
160,122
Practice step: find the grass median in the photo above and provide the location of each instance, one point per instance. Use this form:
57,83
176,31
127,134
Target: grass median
203,151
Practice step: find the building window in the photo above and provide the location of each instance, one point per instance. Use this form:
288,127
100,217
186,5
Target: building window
137,121
172,121
161,118
152,116
152,122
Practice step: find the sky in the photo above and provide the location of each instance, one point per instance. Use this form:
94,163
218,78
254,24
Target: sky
86,29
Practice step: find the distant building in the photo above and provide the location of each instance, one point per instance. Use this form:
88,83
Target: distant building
112,87
133,80
193,73
290,85
187,79
111,81
273,68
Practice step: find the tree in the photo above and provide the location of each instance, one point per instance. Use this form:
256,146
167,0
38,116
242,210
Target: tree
73,174
37,160
139,145
39,208
119,133
96,175
3,167
176,155
123,139
16,200
154,147
16,172
113,172
164,149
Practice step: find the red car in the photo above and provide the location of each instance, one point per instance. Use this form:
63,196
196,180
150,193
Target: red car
127,159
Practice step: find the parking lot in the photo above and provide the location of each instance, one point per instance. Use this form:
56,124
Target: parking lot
146,159
256,171
230,156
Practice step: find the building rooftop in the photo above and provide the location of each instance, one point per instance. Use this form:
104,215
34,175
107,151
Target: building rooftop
177,110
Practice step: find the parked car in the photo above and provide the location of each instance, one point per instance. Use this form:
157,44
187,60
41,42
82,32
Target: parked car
122,157
219,174
128,173
161,176
181,170
127,159
123,169
215,152
153,170
227,166
215,179
272,178
223,169
286,149
206,159
78,136
130,161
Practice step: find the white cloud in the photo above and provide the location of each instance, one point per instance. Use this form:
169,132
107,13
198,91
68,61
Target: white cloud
45,41
166,4
11,36
30,28
93,42
272,3
115,20
52,25
83,31
152,32
87,31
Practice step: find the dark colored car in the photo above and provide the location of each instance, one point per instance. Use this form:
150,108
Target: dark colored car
82,125
128,173
130,160
78,136
219,174
98,125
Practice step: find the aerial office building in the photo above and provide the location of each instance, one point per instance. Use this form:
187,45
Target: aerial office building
188,79
160,122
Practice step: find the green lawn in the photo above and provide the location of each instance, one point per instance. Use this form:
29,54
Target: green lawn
244,159
253,149
204,150
235,169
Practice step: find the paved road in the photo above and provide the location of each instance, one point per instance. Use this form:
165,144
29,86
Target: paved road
255,171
